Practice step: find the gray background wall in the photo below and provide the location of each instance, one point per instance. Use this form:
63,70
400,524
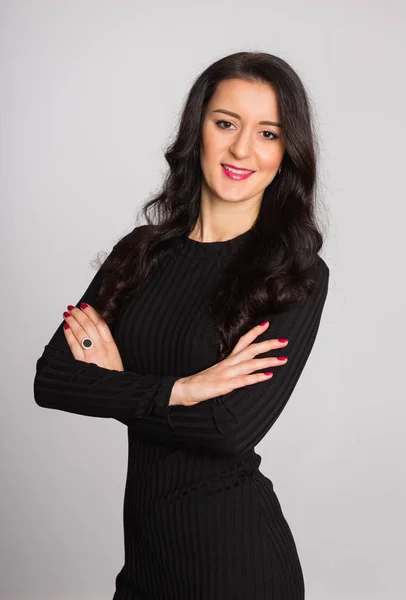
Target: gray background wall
90,93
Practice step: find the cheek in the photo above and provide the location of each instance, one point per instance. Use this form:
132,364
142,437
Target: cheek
269,160
212,147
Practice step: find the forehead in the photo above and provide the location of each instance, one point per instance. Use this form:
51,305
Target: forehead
247,98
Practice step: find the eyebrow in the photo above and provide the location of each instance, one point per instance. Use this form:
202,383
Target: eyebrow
232,114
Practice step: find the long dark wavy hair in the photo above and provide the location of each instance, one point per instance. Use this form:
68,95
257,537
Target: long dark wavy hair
274,266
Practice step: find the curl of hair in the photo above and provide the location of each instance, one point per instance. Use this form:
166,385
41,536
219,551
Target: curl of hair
274,266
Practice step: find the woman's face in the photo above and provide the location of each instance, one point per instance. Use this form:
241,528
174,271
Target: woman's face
232,134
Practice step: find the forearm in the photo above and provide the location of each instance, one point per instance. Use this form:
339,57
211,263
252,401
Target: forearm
234,423
64,383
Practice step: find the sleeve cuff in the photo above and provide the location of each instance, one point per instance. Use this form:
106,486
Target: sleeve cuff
161,398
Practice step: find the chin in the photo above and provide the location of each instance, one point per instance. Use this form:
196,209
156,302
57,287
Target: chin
235,191
239,191
234,197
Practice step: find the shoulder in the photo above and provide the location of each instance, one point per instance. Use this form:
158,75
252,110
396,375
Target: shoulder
322,268
132,236
321,277
316,282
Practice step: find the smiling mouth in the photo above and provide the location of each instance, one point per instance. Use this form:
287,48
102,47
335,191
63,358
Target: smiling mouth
236,174
237,171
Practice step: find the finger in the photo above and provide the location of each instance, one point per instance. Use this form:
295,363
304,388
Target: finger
264,363
245,380
77,330
98,321
249,337
264,347
76,348
82,326
247,367
268,345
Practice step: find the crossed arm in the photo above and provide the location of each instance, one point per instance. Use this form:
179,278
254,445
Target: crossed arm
229,425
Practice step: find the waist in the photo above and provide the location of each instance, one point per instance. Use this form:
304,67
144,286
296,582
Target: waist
164,471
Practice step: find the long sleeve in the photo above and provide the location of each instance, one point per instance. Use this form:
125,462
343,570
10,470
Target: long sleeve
227,425
235,423
64,383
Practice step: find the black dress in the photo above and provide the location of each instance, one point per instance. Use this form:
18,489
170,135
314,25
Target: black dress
201,522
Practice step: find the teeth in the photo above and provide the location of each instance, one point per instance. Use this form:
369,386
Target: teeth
236,171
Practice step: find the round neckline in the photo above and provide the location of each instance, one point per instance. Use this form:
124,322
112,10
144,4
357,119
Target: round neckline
211,250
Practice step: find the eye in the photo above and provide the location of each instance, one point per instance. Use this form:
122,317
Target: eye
275,137
221,124
227,122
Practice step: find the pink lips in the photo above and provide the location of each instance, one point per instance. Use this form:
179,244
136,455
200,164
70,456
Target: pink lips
235,176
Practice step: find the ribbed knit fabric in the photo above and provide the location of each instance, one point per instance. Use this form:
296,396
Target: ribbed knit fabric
201,522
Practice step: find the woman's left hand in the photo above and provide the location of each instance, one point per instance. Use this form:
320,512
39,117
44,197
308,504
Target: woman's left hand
86,322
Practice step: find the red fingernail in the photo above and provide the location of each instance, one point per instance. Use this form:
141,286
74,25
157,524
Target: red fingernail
66,326
264,323
66,314
83,305
282,340
282,357
70,307
268,373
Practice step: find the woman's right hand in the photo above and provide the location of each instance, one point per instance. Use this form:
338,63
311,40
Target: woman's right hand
235,371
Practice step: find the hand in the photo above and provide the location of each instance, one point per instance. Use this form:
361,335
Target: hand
87,322
230,373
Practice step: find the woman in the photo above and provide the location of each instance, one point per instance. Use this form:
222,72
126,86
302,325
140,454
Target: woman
176,335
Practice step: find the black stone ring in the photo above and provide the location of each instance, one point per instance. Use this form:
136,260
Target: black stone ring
87,343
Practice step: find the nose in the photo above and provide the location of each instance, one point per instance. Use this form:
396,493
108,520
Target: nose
242,145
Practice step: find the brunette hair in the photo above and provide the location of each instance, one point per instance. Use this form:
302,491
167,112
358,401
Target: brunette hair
274,266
